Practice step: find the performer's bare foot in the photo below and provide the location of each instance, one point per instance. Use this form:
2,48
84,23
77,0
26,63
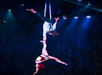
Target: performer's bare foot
28,9
32,10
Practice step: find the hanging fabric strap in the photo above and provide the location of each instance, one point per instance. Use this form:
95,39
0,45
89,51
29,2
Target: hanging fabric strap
45,8
50,9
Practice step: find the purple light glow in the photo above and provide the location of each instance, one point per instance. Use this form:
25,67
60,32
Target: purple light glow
79,0
22,5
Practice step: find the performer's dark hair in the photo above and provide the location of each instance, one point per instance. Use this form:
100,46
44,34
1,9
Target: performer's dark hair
41,66
54,33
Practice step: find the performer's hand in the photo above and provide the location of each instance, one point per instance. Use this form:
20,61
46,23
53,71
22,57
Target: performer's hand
64,17
34,73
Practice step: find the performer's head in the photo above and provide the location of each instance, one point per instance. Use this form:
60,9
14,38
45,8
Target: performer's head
54,33
39,66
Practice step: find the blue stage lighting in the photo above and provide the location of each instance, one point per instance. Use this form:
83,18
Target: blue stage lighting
4,21
89,3
9,10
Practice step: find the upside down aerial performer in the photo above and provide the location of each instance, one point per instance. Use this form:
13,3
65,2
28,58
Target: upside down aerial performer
44,57
49,25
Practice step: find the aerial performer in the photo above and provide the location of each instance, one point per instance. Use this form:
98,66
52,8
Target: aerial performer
49,25
44,57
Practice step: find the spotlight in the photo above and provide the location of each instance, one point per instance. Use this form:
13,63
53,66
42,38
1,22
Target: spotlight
79,0
22,5
9,10
76,17
88,16
64,18
89,3
4,21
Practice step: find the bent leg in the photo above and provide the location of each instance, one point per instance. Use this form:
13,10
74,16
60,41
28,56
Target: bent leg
57,60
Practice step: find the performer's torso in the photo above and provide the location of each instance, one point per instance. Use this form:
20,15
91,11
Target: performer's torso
42,57
46,26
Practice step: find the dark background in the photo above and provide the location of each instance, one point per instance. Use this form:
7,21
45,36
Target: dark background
79,42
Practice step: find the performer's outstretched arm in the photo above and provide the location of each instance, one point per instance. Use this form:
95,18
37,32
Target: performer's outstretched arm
36,70
59,61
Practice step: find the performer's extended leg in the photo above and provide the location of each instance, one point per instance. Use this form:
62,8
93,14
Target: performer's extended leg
59,61
38,14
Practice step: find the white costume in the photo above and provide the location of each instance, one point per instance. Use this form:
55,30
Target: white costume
40,58
48,27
